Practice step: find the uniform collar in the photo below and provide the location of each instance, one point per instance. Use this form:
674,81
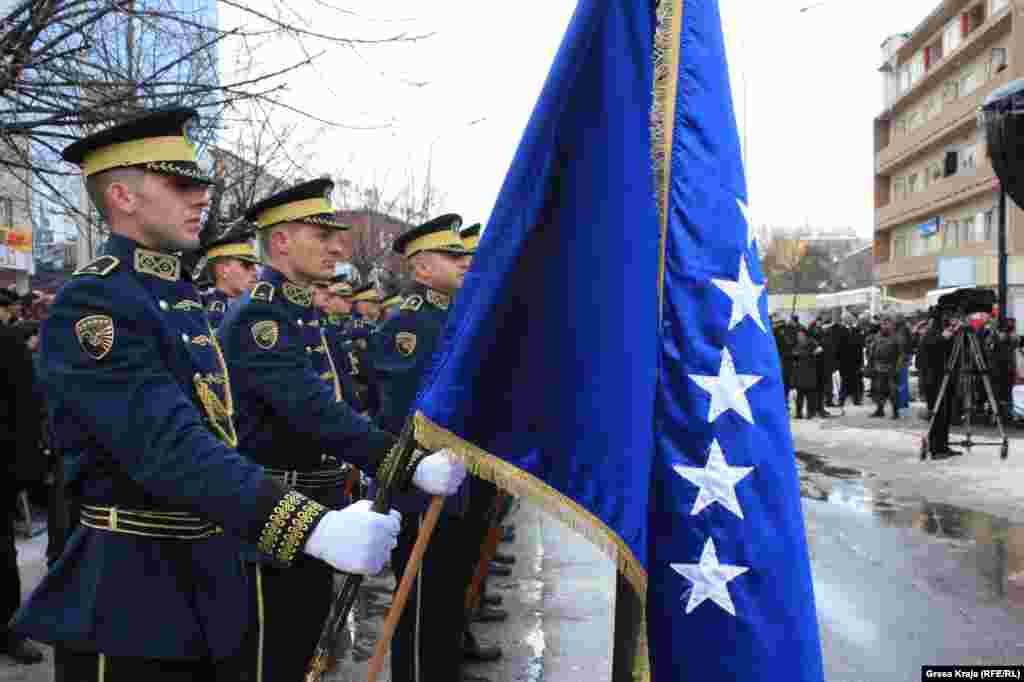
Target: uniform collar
131,254
298,294
434,297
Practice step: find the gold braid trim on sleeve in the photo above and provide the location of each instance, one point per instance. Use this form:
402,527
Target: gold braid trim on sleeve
290,524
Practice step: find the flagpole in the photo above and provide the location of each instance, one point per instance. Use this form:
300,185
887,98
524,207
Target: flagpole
404,588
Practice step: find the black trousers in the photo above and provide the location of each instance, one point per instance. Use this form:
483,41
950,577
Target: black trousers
938,435
435,615
10,581
296,600
853,384
812,402
479,518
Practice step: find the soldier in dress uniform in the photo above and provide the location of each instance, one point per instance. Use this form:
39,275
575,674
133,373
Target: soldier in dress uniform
232,262
366,306
331,298
292,418
389,306
429,639
149,585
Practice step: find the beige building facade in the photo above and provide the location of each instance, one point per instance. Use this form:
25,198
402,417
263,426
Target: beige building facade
936,195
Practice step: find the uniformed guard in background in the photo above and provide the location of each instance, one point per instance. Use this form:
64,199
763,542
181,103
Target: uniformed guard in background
292,418
331,298
232,264
428,641
150,586
366,308
362,324
389,306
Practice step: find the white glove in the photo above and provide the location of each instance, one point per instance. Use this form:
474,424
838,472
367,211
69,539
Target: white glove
440,473
355,539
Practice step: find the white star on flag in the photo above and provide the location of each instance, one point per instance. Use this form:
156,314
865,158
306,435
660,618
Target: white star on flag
710,579
728,390
745,210
716,480
745,296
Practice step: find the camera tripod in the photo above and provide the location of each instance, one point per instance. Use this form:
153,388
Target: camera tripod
967,363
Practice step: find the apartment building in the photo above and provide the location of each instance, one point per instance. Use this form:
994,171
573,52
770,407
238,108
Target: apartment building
936,195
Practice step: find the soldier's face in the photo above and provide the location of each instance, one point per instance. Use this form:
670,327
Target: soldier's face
450,270
338,305
169,210
368,310
313,251
236,277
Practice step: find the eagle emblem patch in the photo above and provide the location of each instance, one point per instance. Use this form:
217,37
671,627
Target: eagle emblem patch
405,343
95,335
266,333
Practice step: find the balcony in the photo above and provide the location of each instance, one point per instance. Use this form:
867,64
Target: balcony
908,269
940,195
955,117
974,45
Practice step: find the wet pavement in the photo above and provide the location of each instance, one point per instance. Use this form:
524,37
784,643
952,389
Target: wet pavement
905,582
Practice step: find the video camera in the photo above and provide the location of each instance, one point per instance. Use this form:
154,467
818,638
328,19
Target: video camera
964,302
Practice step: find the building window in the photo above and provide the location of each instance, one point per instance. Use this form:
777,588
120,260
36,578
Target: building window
950,234
913,121
934,171
912,183
968,159
932,107
916,67
951,163
899,247
970,80
995,6
998,62
904,79
933,55
950,91
952,36
899,187
6,211
900,126
989,218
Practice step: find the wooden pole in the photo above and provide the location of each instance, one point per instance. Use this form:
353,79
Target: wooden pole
404,587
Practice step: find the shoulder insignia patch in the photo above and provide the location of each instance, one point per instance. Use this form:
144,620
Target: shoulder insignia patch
413,303
302,296
442,301
162,265
102,266
95,335
216,307
266,334
264,291
405,343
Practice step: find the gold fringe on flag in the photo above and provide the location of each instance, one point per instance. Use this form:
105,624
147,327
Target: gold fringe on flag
514,480
663,114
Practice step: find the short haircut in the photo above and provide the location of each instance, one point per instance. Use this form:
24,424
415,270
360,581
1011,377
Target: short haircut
97,185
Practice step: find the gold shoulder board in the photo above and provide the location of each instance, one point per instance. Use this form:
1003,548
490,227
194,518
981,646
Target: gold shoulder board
413,303
264,291
102,266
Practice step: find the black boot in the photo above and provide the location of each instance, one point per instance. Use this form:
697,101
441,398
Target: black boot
878,412
21,650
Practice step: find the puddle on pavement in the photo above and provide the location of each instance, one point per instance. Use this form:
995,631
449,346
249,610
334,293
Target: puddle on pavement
992,545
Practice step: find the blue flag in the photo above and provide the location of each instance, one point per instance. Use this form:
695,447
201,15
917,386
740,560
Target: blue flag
609,356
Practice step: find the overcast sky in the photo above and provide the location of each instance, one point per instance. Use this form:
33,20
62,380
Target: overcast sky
463,96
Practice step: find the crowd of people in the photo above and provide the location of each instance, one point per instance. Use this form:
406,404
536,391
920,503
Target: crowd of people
827,363
215,450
